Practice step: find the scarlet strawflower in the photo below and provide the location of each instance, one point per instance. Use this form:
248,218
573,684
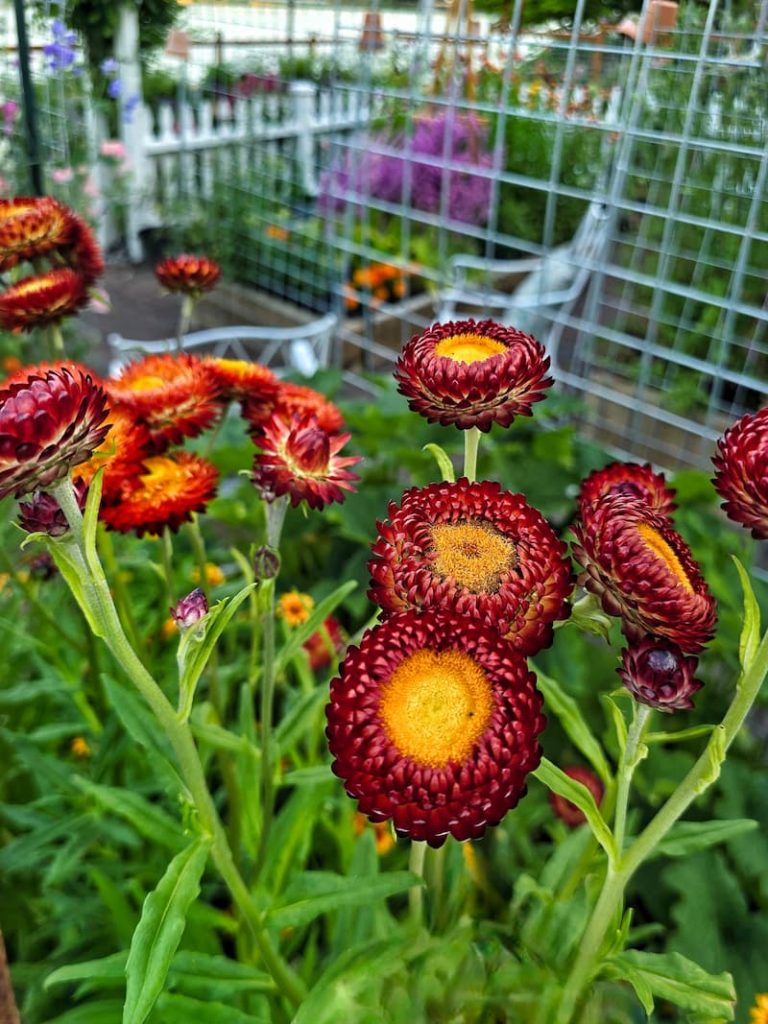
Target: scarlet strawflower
642,570
83,253
631,479
175,396
568,811
42,299
434,722
191,275
47,425
23,373
657,673
472,374
238,379
477,550
169,491
31,227
290,401
301,460
741,477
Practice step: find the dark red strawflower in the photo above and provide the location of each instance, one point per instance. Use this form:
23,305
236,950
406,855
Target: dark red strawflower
434,723
741,477
43,513
31,227
324,644
42,299
191,275
572,815
476,550
47,425
301,459
22,375
83,254
472,374
630,479
657,673
288,402
642,570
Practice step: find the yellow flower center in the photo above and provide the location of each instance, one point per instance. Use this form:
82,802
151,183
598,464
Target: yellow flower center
32,285
469,348
235,366
659,547
162,476
295,607
475,555
436,706
147,383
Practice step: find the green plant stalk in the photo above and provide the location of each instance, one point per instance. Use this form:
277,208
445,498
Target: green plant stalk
471,444
188,304
704,772
198,546
56,339
416,866
180,737
123,602
630,758
166,556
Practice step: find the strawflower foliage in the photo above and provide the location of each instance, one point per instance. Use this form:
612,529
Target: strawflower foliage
243,796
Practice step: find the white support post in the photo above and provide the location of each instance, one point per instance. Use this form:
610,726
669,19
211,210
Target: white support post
131,126
303,95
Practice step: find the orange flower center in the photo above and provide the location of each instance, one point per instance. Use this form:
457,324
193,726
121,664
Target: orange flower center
163,476
147,383
436,706
475,555
469,348
663,550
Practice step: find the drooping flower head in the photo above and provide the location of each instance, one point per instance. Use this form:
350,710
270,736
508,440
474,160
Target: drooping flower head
642,570
42,299
741,477
567,811
434,723
292,400
47,425
239,379
191,275
168,492
477,550
657,673
472,374
43,514
175,396
302,460
31,227
631,479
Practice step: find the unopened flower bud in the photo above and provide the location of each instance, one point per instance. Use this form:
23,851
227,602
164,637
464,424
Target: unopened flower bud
266,563
657,673
43,513
190,609
566,809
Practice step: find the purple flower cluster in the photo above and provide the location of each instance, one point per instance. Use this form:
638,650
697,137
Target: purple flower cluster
420,176
60,53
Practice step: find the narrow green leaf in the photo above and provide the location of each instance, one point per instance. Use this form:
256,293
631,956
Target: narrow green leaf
556,780
302,633
106,1011
148,819
178,1009
443,461
300,717
110,968
715,754
91,517
313,776
687,837
574,723
619,722
681,981
315,893
69,562
159,931
682,734
750,630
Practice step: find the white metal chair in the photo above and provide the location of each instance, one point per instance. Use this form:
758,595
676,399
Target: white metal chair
305,348
553,282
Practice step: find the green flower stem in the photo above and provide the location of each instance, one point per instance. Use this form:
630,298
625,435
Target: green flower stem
188,304
704,772
416,866
107,552
471,444
435,869
166,560
198,546
57,341
180,736
634,752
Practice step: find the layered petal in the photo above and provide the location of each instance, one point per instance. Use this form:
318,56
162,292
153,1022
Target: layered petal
291,400
658,674
191,275
31,227
631,479
741,477
42,299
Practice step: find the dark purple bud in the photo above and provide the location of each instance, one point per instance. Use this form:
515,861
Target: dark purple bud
190,609
657,673
266,563
43,513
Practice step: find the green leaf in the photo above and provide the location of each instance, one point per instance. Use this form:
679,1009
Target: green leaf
91,516
159,931
302,633
443,461
686,837
178,1009
574,723
316,892
313,776
148,819
750,630
714,752
69,562
106,1011
619,722
680,735
556,780
673,977
300,717
109,968
196,646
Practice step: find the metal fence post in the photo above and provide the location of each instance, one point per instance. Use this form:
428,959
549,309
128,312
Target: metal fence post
30,106
303,94
131,126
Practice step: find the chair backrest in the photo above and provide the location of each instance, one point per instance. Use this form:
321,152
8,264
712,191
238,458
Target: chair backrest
305,347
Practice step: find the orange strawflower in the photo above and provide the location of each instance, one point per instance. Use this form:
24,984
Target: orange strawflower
238,379
293,400
80,747
32,227
168,629
759,1012
191,275
42,299
11,364
214,577
295,607
121,454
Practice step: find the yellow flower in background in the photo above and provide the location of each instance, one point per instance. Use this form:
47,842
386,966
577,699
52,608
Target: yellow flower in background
385,840
759,1012
168,629
214,577
295,607
80,747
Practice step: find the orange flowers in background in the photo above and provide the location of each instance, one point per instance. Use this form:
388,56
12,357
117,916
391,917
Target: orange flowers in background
384,282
